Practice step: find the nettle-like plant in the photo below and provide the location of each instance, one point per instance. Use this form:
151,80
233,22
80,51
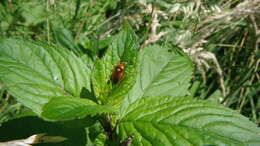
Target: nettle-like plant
148,105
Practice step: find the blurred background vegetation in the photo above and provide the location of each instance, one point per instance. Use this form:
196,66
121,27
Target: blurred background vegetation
221,37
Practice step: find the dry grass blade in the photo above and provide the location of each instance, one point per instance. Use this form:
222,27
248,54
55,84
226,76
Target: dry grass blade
34,139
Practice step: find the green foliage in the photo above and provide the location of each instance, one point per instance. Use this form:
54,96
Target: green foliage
60,70
161,73
171,76
68,108
64,37
35,72
185,121
122,50
154,111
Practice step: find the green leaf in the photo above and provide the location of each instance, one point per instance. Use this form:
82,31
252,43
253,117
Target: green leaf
185,121
100,79
35,72
72,108
123,49
161,73
95,135
100,140
33,14
64,37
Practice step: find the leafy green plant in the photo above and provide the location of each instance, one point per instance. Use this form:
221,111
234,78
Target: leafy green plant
150,106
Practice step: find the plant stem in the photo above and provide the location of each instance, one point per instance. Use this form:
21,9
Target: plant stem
105,122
